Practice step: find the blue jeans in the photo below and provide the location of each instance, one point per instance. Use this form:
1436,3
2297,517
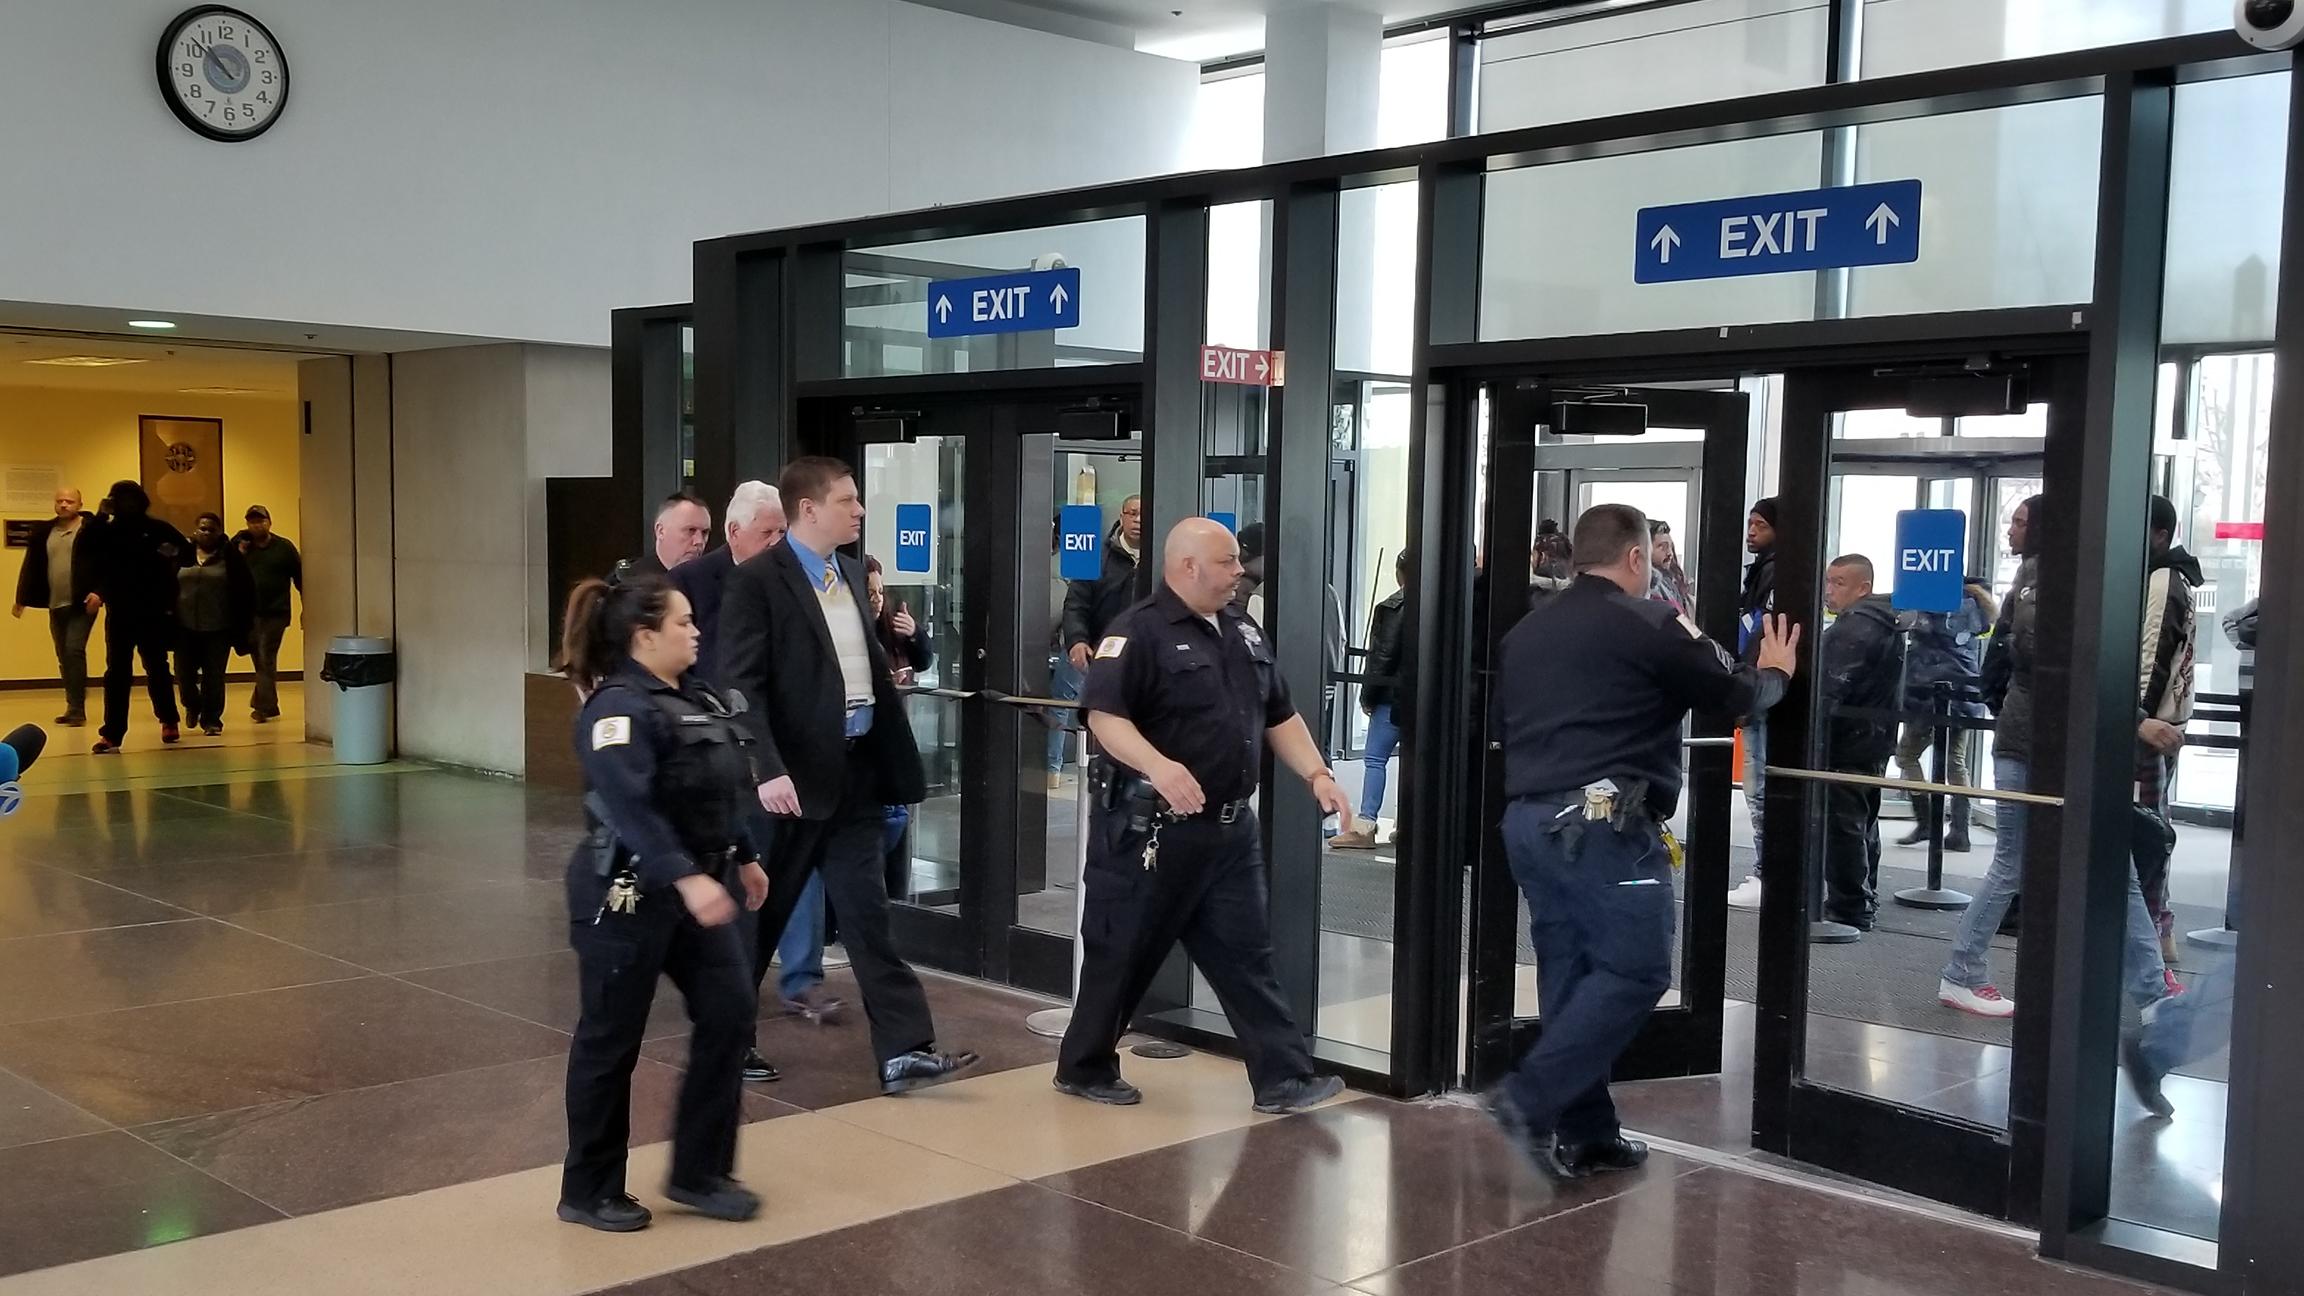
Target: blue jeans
1756,782
1383,739
1970,965
1063,682
1601,914
801,951
2192,1025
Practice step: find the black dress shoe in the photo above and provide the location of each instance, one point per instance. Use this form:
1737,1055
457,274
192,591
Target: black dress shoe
1111,1093
722,1199
759,1069
1917,836
1298,1094
1957,845
1579,1161
72,720
923,1068
617,1214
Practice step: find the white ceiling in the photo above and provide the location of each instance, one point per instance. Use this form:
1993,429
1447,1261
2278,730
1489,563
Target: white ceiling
1196,30
161,368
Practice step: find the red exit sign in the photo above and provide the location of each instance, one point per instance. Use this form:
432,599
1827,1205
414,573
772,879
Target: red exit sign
1244,368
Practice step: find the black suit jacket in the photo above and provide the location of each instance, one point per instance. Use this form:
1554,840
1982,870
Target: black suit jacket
704,580
32,581
774,647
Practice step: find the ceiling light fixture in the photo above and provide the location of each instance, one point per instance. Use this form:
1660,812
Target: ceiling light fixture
88,361
222,391
152,324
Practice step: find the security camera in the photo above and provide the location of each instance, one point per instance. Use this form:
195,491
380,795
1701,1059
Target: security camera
1049,261
2269,24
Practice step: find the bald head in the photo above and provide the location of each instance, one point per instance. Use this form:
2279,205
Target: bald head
1201,562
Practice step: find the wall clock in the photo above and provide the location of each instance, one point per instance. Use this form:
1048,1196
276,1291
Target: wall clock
222,72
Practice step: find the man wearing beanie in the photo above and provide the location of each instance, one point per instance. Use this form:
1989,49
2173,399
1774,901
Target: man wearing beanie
1758,601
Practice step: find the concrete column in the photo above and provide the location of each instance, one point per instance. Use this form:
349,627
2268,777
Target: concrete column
1320,67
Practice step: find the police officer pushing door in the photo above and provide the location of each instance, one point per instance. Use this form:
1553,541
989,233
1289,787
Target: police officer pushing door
653,891
1182,694
1592,688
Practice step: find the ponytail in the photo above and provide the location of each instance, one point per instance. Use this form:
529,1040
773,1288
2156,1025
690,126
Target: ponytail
596,629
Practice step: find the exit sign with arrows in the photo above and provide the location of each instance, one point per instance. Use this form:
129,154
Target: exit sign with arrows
1817,229
1026,301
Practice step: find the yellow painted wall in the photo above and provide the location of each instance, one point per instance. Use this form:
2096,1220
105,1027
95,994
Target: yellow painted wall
91,436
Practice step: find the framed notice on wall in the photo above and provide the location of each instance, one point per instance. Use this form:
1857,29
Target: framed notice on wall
183,461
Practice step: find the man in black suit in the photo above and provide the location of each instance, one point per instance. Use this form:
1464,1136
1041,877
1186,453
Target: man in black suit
59,574
833,747
755,525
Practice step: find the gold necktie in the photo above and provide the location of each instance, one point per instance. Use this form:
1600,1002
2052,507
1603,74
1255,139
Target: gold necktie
831,579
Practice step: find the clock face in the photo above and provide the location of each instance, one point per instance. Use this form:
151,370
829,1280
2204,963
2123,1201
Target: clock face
223,73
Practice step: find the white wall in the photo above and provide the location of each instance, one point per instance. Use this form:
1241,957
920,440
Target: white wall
519,168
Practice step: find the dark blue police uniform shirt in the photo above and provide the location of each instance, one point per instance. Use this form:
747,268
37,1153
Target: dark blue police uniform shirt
1203,695
1595,683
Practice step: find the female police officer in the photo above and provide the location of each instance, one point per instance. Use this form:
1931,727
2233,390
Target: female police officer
649,892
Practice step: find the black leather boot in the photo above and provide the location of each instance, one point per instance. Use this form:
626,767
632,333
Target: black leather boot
1956,829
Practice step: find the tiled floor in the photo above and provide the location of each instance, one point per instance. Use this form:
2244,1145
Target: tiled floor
277,1026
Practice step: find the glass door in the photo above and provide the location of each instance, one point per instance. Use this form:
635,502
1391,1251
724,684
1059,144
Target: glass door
1865,1061
1680,451
968,500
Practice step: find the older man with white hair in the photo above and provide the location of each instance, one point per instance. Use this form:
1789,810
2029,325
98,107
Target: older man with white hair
755,525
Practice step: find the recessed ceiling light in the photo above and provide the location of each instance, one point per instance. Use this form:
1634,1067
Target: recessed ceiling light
152,324
88,361
222,391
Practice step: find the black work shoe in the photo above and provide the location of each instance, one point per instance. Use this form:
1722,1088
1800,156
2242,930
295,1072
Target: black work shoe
924,1068
723,1199
72,719
617,1214
1918,836
1111,1093
1958,845
2144,1080
1582,1160
759,1069
1299,1094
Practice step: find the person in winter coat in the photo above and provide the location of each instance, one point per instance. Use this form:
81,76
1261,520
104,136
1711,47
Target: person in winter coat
137,559
1753,607
2164,694
215,617
1091,605
1943,660
1861,668
1379,699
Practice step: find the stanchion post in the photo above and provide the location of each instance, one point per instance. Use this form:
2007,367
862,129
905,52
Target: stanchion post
1935,895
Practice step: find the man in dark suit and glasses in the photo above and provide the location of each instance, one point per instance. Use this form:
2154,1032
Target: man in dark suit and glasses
833,748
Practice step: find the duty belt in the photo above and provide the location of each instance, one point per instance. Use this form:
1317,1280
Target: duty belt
1227,813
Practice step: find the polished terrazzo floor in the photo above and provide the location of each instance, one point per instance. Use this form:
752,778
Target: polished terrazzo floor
271,1025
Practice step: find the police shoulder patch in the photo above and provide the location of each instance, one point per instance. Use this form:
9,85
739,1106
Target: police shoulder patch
611,731
1112,646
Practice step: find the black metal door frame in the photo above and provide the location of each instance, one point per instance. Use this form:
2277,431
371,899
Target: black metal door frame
1004,541
1682,1038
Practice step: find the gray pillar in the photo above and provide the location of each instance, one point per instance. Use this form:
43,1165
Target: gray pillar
1320,65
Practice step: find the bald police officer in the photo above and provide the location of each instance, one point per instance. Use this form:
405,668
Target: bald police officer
1182,695
1592,688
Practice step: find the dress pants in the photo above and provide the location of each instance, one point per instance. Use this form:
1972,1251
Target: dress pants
618,958
69,627
264,656
1209,891
1601,915
1852,851
848,852
129,639
201,657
